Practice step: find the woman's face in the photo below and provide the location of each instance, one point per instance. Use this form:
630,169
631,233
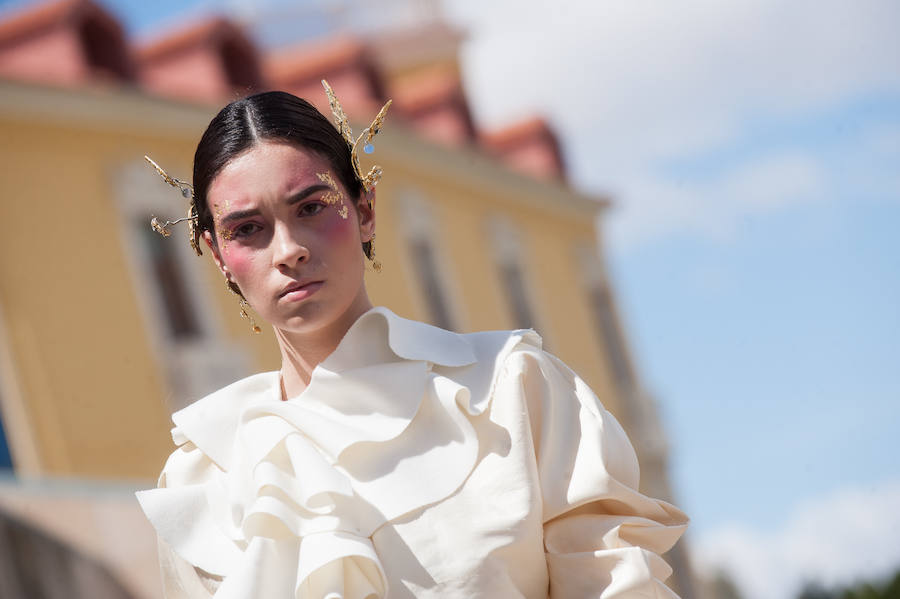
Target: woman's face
290,237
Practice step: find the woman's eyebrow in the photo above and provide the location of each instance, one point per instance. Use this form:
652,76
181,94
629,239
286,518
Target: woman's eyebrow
305,193
237,215
297,197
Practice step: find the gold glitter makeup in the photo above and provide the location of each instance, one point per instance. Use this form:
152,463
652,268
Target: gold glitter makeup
334,196
226,234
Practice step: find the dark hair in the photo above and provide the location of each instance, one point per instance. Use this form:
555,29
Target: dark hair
275,116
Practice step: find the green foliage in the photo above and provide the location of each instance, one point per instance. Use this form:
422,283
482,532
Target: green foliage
814,591
722,587
865,590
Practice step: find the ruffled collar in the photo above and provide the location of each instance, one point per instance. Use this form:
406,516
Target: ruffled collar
382,429
378,337
408,339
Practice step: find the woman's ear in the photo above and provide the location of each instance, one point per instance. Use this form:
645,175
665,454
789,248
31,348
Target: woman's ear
366,211
214,250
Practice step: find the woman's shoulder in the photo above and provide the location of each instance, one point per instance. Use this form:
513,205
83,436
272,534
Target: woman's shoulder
476,360
416,340
232,398
501,343
473,360
208,425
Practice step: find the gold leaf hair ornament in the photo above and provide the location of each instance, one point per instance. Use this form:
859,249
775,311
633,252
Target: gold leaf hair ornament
370,179
187,191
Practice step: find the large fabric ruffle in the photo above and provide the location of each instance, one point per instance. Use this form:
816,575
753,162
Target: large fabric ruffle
477,465
306,482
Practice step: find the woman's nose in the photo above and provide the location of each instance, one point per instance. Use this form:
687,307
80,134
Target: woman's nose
287,249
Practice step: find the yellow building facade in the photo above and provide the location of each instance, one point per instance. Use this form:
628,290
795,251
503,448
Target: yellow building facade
106,328
92,363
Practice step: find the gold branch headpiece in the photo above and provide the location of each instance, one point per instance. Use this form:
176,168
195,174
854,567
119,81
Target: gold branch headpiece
370,179
187,190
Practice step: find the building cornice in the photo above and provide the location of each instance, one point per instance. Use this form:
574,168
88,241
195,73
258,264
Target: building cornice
127,110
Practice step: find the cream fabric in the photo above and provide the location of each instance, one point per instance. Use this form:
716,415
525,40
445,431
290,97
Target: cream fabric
417,463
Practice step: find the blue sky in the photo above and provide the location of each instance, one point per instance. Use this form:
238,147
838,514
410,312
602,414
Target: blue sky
775,356
775,352
752,150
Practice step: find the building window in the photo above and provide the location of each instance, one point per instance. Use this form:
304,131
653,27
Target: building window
15,436
417,218
507,249
606,322
167,274
514,283
173,291
426,269
606,319
5,457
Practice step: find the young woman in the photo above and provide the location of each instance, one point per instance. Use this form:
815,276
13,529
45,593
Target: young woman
387,458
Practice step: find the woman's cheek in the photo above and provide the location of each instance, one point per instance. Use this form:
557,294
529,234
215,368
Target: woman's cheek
337,230
239,262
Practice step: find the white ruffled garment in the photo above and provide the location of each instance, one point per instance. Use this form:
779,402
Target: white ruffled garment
416,463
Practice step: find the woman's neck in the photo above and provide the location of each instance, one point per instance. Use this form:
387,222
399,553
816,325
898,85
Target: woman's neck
302,352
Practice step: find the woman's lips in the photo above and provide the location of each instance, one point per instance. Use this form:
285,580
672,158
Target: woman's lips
300,292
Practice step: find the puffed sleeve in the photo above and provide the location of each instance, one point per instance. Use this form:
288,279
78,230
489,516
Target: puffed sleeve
602,538
181,580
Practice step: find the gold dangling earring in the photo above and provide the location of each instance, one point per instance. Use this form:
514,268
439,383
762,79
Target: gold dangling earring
376,265
245,308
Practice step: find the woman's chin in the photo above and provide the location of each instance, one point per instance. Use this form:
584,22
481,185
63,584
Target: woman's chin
317,313
308,317
303,318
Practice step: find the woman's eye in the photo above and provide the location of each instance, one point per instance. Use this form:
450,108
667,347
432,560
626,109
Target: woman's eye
311,208
245,230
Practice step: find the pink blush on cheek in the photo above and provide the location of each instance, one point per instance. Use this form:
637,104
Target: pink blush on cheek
238,261
337,228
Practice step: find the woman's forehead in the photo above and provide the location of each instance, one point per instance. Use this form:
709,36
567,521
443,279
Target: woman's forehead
268,169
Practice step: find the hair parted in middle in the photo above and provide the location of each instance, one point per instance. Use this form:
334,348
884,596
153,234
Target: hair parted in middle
268,116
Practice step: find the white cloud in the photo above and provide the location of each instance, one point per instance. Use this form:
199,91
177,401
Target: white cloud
869,162
851,535
629,84
715,208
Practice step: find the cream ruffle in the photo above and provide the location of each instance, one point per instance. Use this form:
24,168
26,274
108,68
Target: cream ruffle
289,508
